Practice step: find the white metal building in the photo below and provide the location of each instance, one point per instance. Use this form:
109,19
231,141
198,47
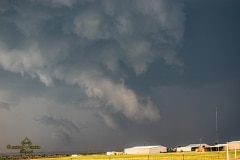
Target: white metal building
217,147
192,147
145,149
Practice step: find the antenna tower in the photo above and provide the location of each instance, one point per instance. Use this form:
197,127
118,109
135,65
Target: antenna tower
216,125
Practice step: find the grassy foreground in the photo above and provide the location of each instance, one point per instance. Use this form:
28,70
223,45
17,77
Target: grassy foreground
162,156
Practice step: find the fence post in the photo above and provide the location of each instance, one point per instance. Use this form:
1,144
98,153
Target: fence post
227,153
235,152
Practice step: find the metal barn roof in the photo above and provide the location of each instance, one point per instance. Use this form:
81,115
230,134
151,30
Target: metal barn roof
147,146
196,145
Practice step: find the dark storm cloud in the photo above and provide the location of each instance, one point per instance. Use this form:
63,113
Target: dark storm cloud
51,46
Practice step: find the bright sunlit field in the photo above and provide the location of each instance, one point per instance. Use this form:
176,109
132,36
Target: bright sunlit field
162,156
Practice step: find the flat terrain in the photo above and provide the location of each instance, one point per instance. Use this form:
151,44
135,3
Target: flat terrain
162,156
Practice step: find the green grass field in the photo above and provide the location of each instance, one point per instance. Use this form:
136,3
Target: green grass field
162,156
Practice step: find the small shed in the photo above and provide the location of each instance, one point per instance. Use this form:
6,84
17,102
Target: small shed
113,153
145,149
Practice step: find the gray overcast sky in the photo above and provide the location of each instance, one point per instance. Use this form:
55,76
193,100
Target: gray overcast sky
110,74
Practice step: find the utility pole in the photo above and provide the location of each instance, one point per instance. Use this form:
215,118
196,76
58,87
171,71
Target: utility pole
216,125
217,142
